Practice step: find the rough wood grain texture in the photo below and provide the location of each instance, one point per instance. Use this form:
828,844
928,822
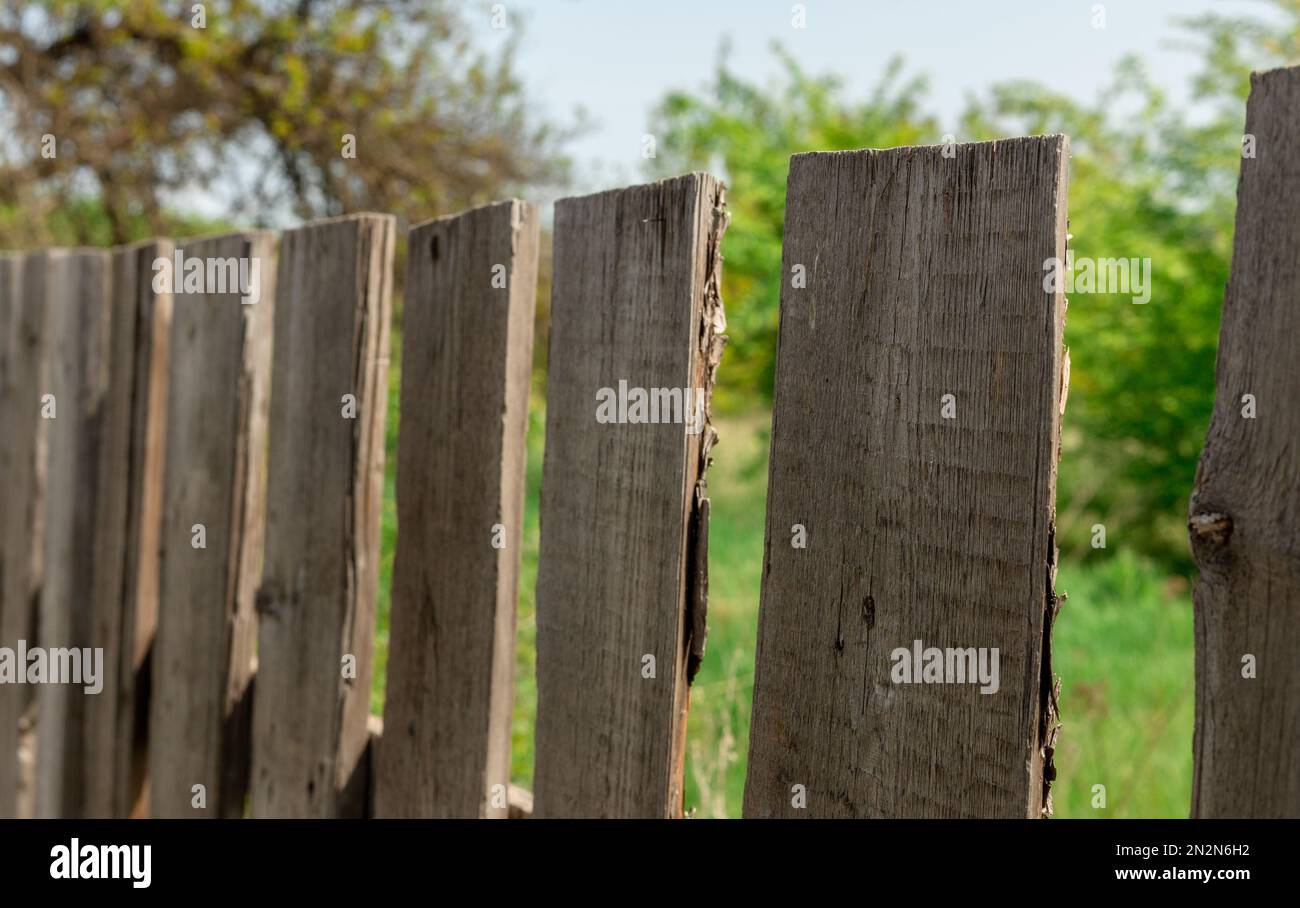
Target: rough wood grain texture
325,484
1245,509
123,599
466,360
23,379
924,277
634,299
77,290
215,475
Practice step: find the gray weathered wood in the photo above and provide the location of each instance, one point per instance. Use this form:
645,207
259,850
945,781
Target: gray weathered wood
23,379
634,299
123,601
134,275
215,475
1245,509
316,606
924,277
362,792
77,290
466,358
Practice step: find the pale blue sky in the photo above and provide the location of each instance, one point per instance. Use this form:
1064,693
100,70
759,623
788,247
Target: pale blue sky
617,58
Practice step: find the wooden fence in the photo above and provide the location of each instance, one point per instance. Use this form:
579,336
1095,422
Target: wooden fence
193,461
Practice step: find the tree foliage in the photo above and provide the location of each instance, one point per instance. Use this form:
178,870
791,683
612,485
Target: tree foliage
253,107
1147,180
747,133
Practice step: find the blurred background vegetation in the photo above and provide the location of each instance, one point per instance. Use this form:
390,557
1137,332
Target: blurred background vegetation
146,108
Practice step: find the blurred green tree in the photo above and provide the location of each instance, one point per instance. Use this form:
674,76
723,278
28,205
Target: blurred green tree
251,100
1147,180
1144,183
746,133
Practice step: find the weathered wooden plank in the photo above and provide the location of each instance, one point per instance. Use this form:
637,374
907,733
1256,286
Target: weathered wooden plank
123,599
215,480
1245,509
23,379
909,276
11,275
634,301
316,606
136,273
467,353
77,290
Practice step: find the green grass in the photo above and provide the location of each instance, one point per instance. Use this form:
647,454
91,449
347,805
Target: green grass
1122,645
1124,649
717,730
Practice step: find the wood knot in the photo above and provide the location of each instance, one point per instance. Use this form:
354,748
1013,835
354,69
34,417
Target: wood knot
266,599
1212,528
262,601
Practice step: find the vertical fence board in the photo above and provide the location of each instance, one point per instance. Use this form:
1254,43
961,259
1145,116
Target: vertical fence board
134,278
634,300
23,379
77,292
1245,510
325,487
924,277
125,533
466,358
215,476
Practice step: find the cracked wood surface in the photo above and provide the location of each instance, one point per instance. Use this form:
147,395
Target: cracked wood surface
634,298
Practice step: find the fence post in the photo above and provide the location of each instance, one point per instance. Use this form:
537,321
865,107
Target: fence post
471,291
212,525
122,600
635,325
23,379
316,605
76,289
911,492
1244,515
